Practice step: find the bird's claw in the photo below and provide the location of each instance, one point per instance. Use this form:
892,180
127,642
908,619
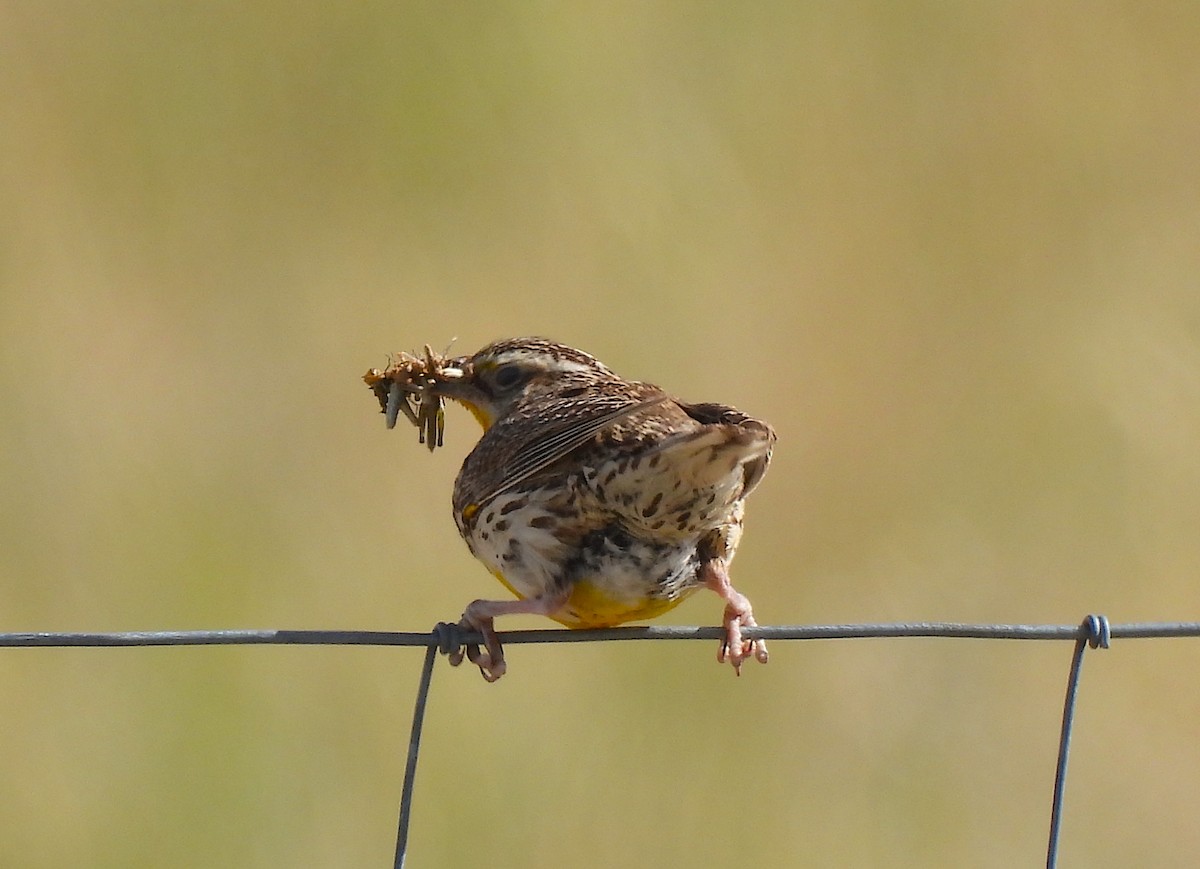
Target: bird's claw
490,658
735,648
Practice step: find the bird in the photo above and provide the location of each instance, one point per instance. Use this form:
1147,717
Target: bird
593,499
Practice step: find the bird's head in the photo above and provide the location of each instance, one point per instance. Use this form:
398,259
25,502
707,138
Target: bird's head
495,380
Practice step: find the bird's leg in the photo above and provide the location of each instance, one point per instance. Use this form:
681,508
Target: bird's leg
479,616
738,615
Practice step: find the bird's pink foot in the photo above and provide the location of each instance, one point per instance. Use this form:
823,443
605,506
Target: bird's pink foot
738,614
479,617
489,659
735,647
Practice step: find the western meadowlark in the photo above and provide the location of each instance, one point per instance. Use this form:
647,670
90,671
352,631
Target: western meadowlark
594,499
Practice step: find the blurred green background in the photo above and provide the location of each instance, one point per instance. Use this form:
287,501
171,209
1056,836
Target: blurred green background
951,251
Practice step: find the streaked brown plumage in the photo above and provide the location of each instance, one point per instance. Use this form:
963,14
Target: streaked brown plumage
595,499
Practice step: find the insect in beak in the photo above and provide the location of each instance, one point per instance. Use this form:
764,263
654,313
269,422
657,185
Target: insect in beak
409,386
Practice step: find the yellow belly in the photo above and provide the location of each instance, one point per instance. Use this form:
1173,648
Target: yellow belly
592,606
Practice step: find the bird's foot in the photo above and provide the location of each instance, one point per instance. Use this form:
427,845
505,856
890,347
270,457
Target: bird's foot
490,658
735,648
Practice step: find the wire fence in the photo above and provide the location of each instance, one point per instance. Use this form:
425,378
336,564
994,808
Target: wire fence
1095,633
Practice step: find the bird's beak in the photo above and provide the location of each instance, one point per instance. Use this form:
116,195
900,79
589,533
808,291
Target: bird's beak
455,380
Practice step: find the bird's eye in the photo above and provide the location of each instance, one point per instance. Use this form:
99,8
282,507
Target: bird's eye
507,376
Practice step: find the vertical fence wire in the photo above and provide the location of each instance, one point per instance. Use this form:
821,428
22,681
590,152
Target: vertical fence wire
414,748
1095,633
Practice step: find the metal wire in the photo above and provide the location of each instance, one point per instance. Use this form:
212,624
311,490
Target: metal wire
414,748
1095,632
1144,630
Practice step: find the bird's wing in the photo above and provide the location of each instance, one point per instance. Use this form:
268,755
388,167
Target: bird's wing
564,425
